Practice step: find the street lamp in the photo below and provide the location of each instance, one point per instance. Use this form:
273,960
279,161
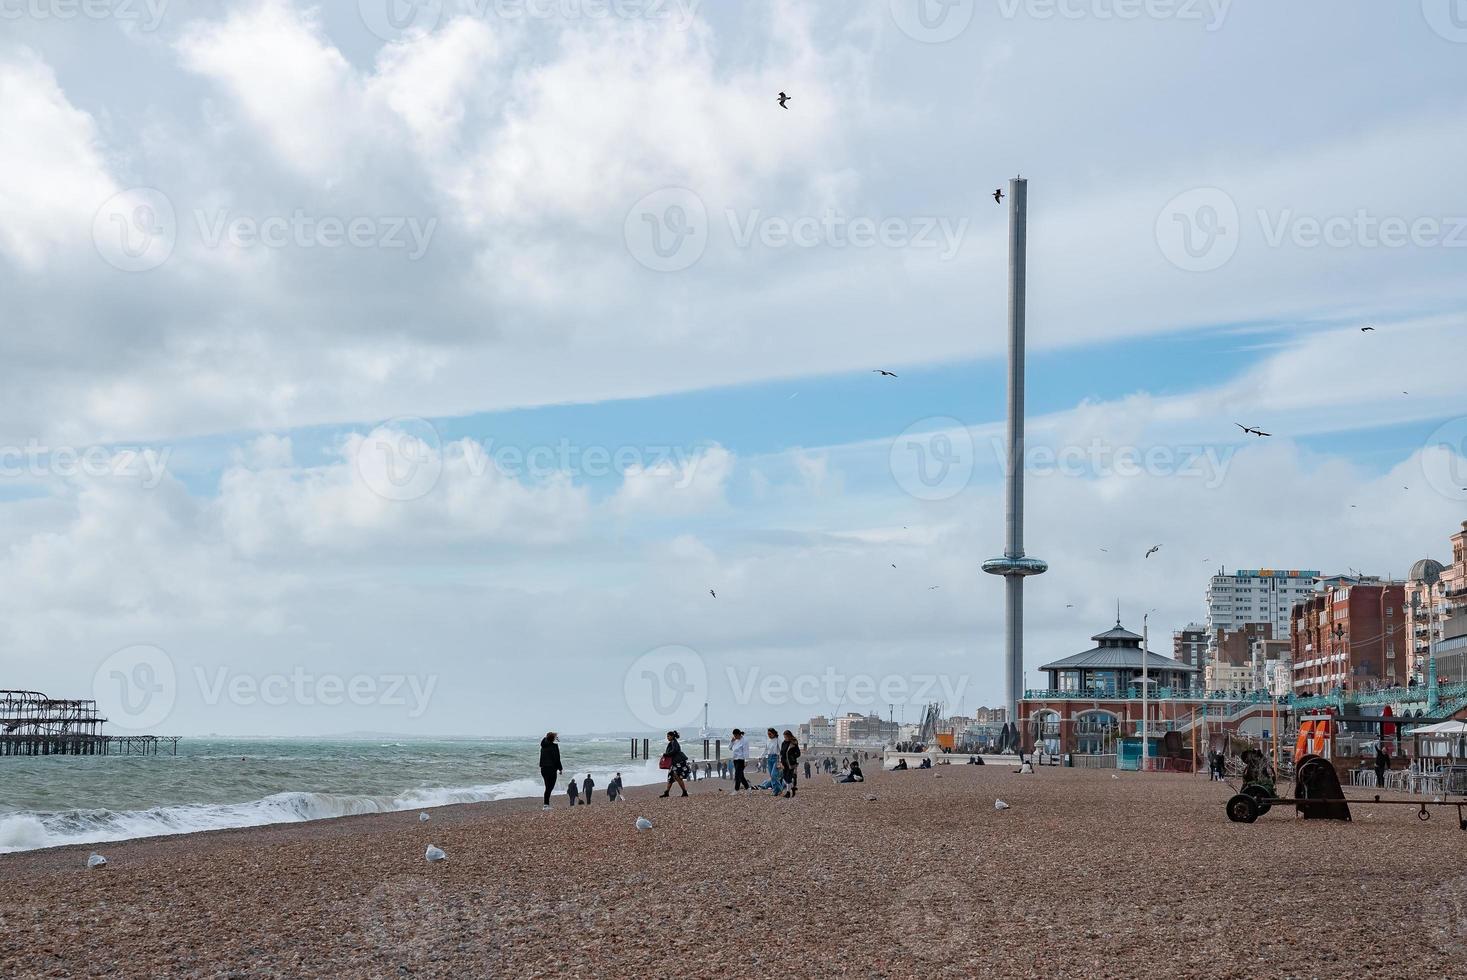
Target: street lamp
1145,683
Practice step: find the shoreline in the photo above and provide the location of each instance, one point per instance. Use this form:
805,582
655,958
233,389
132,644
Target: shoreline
908,874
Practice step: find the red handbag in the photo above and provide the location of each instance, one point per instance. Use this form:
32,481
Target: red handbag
665,762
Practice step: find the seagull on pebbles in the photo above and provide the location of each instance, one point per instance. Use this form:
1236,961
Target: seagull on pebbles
434,854
643,823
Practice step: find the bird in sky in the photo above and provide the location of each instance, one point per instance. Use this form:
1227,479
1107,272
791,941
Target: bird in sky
783,101
1069,605
1152,550
1252,430
998,195
883,372
713,594
1106,550
1405,392
931,587
1364,329
893,564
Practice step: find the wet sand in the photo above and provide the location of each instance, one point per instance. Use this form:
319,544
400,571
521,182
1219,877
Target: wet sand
1086,874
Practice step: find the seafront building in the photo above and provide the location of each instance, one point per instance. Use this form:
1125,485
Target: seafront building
1256,595
1351,634
1189,645
1435,593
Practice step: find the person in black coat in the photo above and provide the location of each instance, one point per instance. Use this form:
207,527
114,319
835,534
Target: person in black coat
677,764
550,766
789,761
1382,763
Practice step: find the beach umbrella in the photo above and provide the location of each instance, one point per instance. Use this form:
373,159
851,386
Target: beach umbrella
434,854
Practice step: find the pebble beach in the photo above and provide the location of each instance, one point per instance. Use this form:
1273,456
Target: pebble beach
912,874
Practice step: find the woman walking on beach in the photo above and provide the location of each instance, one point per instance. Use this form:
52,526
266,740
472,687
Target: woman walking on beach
771,758
739,749
549,764
789,760
677,764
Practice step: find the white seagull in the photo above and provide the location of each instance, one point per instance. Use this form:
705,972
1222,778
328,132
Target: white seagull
434,854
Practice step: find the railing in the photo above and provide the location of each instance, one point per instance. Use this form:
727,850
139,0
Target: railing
1159,694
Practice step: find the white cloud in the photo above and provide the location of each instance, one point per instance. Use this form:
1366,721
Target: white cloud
52,173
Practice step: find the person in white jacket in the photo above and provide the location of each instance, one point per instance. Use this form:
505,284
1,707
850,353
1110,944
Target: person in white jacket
771,760
739,750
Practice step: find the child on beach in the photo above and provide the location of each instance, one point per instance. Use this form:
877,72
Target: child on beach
613,789
570,791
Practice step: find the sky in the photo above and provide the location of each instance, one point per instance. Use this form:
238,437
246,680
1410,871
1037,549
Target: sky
426,367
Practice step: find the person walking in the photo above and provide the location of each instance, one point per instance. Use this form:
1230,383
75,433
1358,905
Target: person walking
550,766
587,785
789,760
771,758
739,749
613,789
571,791
677,764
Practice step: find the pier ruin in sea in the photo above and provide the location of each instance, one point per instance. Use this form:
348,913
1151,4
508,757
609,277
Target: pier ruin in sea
33,724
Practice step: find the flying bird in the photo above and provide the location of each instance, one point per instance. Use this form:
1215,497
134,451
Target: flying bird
893,565
1106,550
783,101
1069,605
1363,329
713,594
1152,550
1253,431
883,372
931,587
998,195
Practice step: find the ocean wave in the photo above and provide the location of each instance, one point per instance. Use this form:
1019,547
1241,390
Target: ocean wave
29,830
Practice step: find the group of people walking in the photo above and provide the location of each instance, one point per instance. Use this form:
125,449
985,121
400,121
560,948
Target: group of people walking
551,768
779,758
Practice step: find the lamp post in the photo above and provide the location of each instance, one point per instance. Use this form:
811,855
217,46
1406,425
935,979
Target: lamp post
1145,683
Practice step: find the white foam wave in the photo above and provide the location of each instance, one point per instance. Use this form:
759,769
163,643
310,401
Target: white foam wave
28,830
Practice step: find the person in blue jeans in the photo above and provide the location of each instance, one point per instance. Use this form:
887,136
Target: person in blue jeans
771,762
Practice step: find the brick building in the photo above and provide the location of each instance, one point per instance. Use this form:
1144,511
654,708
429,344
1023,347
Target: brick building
1350,635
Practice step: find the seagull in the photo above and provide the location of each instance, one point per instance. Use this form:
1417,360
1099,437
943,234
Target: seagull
422,818
1152,550
434,854
96,861
931,587
783,101
1106,550
643,823
1069,605
1251,430
998,195
1000,805
713,594
893,565
1364,329
883,372
1114,776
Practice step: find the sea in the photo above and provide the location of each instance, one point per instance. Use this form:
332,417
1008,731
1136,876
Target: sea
216,783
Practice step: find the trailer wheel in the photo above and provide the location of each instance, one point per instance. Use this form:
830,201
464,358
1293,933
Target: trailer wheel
1259,794
1242,809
